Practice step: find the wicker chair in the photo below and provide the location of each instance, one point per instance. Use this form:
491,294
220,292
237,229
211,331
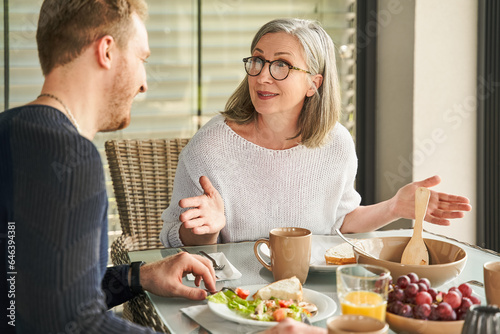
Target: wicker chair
143,173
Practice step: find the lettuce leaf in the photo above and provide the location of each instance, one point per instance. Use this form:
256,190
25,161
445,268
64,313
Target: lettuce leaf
234,302
221,297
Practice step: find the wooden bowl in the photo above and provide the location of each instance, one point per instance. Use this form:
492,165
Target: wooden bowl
401,324
446,260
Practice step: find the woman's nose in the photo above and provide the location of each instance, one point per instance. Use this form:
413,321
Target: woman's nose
265,73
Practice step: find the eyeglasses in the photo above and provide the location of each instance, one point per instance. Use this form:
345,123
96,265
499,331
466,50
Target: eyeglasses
278,69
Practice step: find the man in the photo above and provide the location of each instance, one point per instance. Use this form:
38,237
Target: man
53,202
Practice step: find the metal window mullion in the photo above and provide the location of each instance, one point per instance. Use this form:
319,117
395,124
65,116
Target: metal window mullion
6,50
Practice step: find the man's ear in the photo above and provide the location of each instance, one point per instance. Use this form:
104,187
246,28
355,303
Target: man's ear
317,81
106,46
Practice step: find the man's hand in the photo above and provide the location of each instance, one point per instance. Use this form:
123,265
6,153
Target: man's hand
164,277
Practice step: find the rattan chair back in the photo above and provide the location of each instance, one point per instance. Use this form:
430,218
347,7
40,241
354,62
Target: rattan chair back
143,174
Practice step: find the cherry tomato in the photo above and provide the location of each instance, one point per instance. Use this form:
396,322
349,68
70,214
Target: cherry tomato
280,314
242,293
286,303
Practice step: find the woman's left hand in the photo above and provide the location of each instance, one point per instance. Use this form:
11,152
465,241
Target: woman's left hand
441,208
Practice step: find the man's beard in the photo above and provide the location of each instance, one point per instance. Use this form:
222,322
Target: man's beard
119,104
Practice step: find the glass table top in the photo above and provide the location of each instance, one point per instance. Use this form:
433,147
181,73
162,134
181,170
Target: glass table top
241,255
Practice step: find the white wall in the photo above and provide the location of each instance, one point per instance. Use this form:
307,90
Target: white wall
427,100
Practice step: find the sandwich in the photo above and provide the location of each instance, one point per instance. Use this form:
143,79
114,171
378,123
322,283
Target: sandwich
286,289
340,254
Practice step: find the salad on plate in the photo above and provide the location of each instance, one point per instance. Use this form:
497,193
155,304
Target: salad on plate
273,309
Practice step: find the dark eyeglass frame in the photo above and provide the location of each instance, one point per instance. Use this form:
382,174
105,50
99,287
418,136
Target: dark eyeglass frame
290,67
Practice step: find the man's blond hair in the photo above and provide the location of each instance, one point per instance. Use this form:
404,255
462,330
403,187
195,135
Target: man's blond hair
67,27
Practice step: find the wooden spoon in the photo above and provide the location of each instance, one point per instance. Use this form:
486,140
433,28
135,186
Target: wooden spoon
416,251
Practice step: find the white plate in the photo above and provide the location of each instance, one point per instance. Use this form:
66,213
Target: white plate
319,245
326,307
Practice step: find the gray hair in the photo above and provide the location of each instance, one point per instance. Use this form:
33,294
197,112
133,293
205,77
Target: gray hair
320,111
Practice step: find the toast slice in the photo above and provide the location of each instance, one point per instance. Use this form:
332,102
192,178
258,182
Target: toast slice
289,288
340,254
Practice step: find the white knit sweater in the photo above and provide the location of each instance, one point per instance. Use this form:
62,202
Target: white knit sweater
262,188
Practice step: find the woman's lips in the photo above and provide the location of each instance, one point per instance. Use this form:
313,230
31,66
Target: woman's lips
266,95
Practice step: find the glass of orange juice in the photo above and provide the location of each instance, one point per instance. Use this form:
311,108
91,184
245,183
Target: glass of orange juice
362,290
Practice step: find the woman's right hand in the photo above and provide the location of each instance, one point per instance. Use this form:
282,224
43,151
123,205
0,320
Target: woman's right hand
205,217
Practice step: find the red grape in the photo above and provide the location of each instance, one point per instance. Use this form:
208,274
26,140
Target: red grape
412,297
445,311
390,307
475,300
396,295
396,307
422,311
406,311
433,293
410,300
426,282
413,277
456,290
465,289
403,281
391,296
453,298
411,290
423,297
434,313
464,307
466,304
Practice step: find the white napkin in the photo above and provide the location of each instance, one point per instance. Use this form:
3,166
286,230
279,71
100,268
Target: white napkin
215,324
229,272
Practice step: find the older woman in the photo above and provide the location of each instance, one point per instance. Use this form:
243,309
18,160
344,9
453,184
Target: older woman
277,155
